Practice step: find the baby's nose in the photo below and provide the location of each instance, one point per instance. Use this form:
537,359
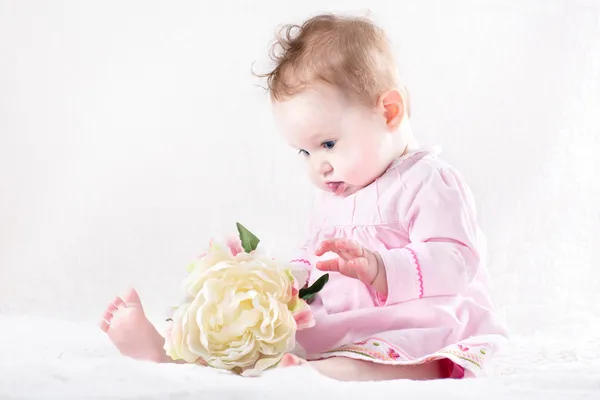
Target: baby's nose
325,169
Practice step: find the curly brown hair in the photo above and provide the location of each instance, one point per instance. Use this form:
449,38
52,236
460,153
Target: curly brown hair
350,53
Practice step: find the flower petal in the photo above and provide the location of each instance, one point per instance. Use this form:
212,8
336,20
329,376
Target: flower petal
262,365
303,315
235,245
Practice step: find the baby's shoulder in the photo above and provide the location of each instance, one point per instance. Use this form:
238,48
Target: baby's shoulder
417,171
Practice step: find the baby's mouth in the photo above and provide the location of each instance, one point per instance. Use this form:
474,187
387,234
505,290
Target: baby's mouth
336,187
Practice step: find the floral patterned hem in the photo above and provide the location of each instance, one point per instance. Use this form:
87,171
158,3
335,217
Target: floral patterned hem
469,357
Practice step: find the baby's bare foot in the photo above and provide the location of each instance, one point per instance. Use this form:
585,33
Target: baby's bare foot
130,330
291,360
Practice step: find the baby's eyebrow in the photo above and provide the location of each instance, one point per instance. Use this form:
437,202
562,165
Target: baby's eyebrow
317,136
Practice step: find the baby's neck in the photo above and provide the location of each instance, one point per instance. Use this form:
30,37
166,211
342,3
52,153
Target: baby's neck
404,141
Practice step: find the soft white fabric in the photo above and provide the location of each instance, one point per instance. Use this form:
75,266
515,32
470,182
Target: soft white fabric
122,150
49,358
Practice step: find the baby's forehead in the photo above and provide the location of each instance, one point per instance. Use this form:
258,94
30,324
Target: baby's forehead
303,119
300,125
309,105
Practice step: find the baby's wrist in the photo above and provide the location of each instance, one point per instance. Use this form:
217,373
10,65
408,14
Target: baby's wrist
380,280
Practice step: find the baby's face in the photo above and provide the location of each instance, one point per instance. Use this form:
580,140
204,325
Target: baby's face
345,146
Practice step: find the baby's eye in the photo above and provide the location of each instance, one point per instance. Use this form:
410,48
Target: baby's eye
303,153
328,144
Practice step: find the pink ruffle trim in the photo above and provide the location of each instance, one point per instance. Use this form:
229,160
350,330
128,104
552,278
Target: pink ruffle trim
419,272
301,260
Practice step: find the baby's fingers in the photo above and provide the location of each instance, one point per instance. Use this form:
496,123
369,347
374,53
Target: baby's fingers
325,246
358,268
347,249
330,265
351,248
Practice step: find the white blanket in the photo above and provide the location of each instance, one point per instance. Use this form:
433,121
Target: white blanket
47,358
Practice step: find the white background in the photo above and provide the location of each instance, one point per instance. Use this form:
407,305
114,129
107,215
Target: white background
133,131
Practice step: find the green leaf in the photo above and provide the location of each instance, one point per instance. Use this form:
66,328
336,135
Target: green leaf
249,240
310,292
309,297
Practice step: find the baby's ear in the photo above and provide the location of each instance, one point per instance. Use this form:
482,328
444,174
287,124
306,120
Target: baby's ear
392,105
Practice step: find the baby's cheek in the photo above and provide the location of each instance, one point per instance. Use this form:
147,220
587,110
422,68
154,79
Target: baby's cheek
311,174
364,172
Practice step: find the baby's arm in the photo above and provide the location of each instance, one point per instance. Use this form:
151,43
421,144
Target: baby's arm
445,243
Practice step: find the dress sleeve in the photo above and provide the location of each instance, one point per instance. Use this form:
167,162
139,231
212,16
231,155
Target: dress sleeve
443,255
302,259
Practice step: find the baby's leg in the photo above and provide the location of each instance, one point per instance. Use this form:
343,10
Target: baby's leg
349,369
130,330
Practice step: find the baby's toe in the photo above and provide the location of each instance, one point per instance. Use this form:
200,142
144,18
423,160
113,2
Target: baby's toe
290,360
118,302
104,325
112,308
132,298
107,316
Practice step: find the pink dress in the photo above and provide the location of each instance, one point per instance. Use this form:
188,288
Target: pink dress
420,216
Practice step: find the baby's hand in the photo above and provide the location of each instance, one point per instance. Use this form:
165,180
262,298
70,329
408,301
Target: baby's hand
355,262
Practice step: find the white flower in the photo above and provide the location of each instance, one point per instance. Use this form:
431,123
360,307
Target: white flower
240,311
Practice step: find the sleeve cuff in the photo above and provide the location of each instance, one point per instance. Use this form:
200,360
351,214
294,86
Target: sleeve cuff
305,265
404,277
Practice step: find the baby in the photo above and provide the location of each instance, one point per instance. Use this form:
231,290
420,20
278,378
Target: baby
407,295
